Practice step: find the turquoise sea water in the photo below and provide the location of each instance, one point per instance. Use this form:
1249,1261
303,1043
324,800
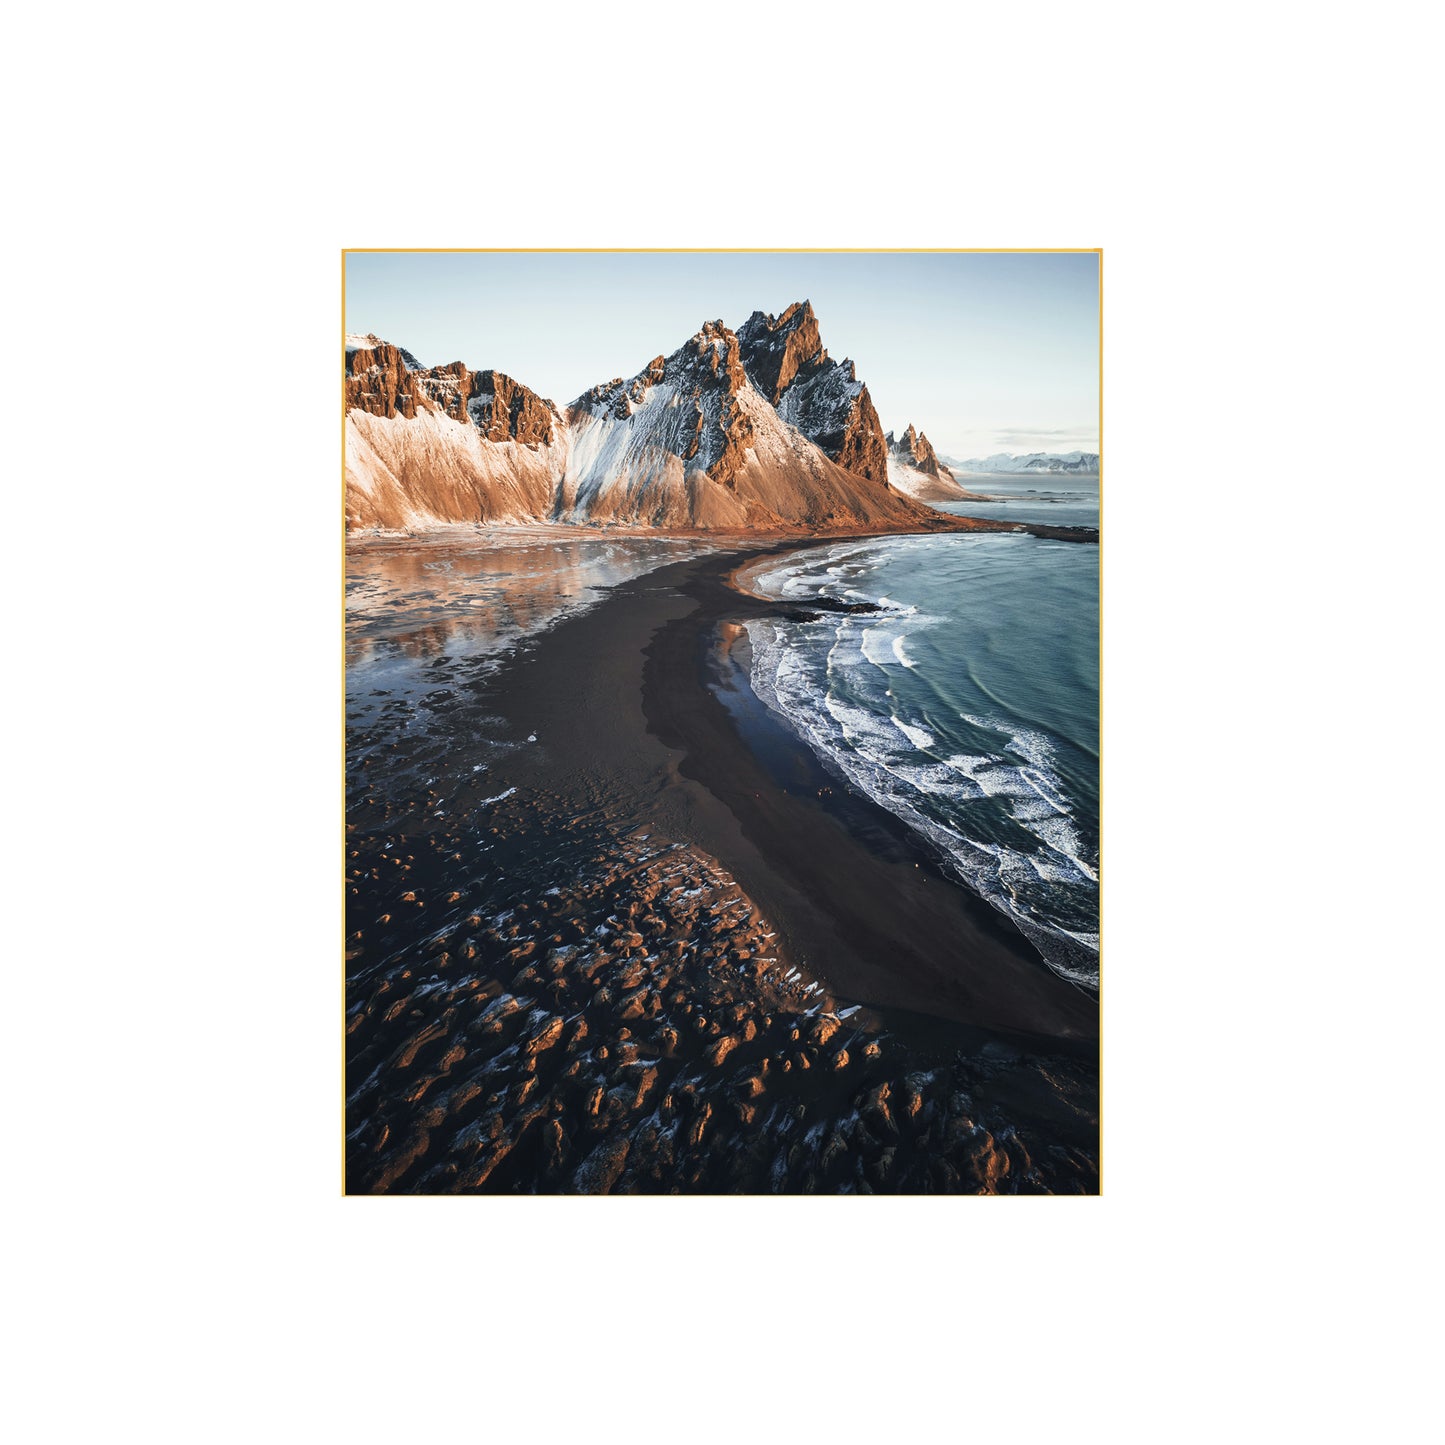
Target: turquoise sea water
1063,501
968,706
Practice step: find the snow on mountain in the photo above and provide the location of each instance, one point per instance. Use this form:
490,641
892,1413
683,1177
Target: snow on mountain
911,482
915,470
822,398
914,449
690,441
436,445
431,469
1043,462
357,342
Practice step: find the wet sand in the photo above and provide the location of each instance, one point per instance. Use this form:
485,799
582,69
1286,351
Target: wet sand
611,927
859,897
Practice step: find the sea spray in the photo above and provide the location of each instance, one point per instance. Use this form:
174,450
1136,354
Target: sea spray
967,706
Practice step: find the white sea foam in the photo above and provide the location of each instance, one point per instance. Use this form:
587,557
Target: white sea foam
921,738
873,643
886,757
846,650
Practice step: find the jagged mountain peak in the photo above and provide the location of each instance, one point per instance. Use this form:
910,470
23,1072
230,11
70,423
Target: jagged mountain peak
799,317
502,409
364,351
786,361
777,348
388,381
682,415
693,439
690,440
799,313
717,348
430,445
709,360
914,450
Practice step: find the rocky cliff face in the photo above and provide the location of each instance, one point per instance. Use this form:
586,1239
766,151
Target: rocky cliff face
380,378
822,398
384,380
435,445
777,348
685,405
441,444
691,441
755,430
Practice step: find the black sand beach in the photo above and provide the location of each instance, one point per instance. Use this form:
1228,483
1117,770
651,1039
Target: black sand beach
661,949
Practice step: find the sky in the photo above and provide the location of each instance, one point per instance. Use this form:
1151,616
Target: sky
985,352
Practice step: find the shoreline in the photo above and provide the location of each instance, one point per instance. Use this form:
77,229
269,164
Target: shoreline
859,883
365,539
794,952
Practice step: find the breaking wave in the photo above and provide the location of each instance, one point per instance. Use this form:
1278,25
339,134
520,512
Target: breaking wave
913,707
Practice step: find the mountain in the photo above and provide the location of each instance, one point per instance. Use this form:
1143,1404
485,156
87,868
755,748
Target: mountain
915,470
785,361
426,446
369,343
1046,462
756,430
690,441
915,450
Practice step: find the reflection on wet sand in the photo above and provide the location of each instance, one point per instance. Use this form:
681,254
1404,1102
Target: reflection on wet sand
470,595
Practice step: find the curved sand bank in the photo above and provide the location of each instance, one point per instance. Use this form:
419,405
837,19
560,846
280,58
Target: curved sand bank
656,949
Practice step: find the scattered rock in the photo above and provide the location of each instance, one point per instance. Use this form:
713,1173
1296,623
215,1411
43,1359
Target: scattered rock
823,1029
721,1050
699,1124
600,1171
544,1036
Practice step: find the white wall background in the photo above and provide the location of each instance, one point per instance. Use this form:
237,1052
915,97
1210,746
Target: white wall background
182,1264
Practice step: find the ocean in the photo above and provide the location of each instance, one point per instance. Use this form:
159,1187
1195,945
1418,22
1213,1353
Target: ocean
969,705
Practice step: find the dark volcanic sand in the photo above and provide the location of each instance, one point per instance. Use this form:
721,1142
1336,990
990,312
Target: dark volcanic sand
642,970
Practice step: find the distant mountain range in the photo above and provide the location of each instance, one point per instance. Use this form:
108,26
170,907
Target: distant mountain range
1084,462
756,430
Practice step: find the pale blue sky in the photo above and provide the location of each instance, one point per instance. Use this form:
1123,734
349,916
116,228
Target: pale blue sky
985,352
